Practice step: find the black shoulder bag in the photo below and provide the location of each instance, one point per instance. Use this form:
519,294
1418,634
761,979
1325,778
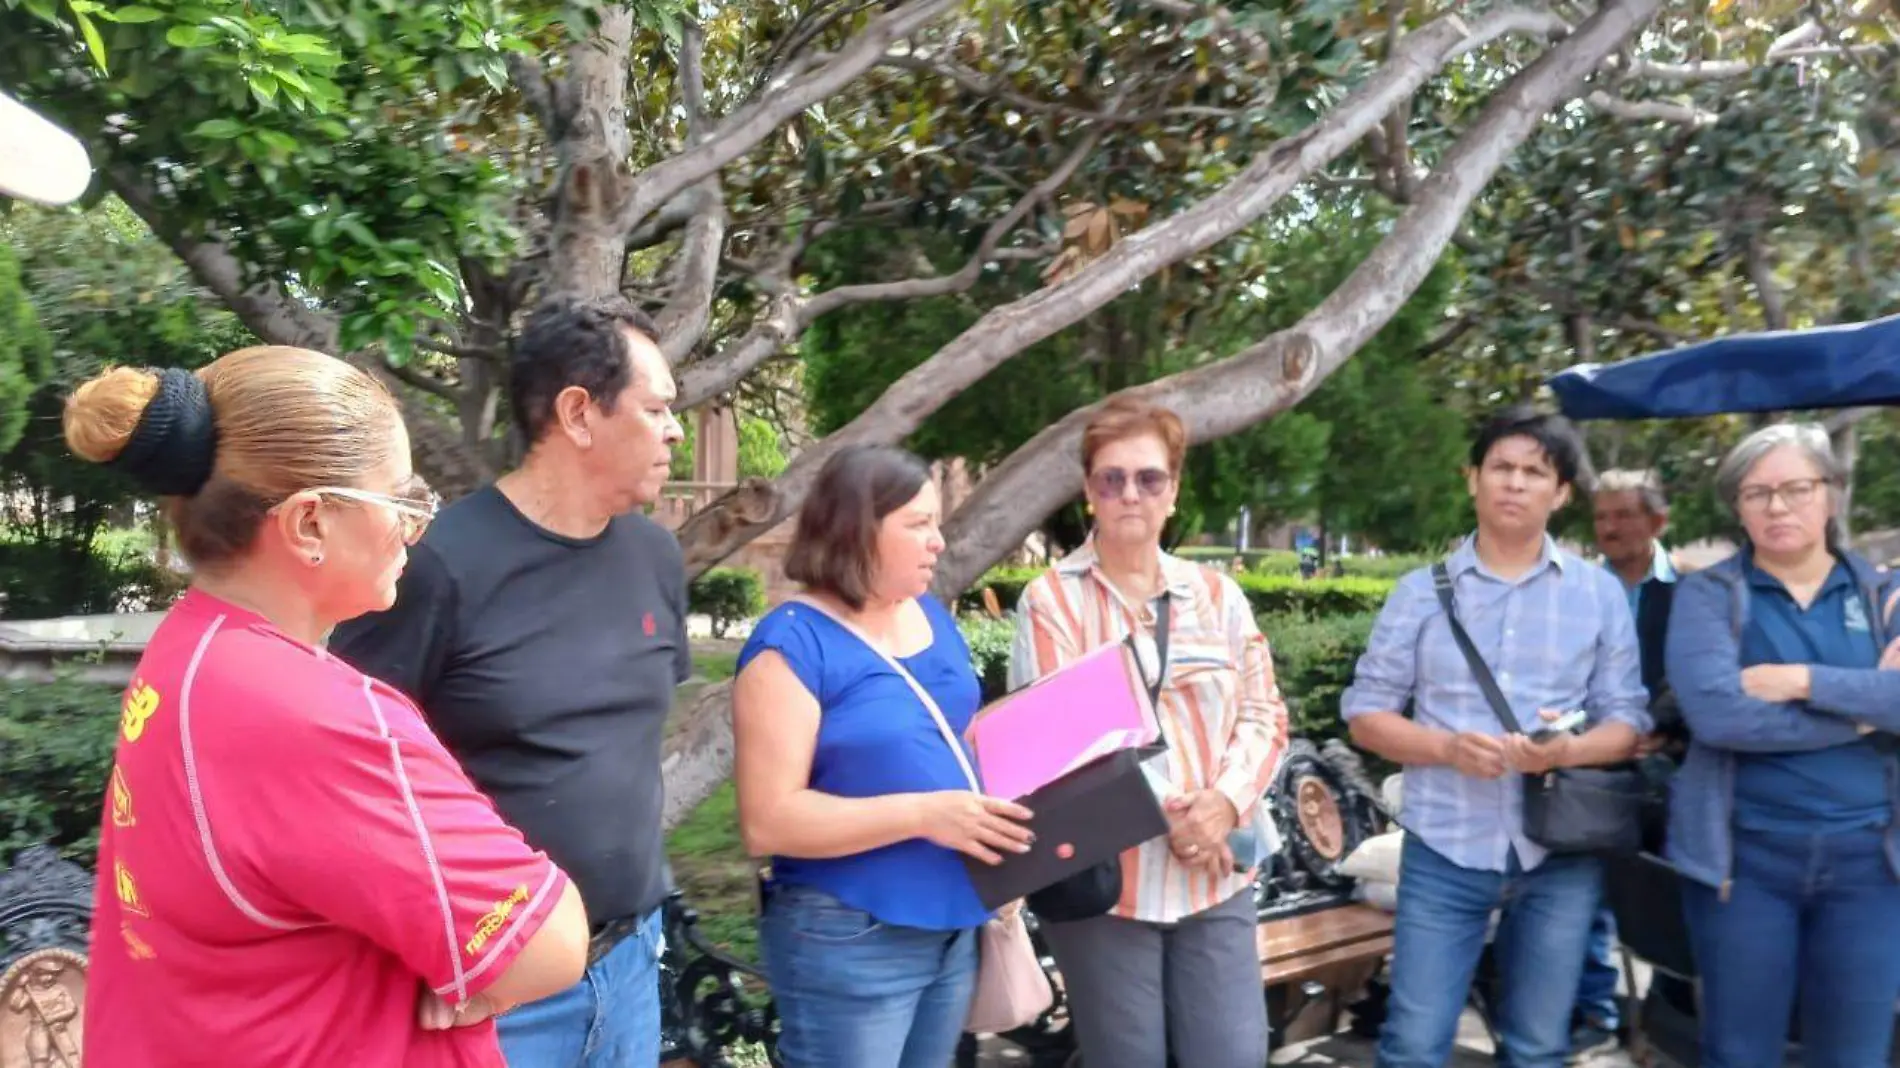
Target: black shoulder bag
1566,810
1095,889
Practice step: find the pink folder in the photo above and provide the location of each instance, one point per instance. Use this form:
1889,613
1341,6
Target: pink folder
1096,705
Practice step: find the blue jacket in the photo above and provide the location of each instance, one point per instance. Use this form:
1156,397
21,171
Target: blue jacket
1706,621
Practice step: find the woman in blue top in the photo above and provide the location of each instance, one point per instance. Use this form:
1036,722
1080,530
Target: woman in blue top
1783,815
845,781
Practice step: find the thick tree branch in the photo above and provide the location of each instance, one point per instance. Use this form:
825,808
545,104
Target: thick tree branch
695,276
1786,47
1002,333
739,132
696,268
278,319
665,222
427,383
262,306
1651,110
791,313
1276,373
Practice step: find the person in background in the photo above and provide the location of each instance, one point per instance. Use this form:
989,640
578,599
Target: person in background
846,781
1173,967
1557,635
292,870
541,625
1782,819
1630,514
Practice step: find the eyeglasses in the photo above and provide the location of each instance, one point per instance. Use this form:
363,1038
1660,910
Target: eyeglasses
1113,481
414,511
1794,493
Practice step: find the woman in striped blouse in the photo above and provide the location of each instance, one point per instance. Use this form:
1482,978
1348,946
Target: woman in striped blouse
1173,965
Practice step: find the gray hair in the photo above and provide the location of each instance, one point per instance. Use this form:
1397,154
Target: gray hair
1645,484
1812,441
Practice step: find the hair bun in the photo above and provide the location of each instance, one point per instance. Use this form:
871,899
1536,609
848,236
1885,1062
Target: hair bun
171,447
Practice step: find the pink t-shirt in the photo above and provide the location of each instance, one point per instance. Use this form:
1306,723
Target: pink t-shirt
288,857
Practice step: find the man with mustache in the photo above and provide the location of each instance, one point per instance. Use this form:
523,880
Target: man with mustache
541,626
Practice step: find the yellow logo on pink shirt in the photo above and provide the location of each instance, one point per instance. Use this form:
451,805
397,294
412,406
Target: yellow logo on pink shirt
121,799
140,702
137,948
128,890
496,918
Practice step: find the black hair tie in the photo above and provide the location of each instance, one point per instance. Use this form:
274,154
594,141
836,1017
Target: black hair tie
171,451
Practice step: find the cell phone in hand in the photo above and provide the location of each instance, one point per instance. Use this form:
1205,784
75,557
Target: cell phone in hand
1563,724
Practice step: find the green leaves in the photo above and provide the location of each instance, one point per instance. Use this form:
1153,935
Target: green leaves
342,145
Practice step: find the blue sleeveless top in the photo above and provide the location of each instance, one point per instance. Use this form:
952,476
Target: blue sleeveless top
876,738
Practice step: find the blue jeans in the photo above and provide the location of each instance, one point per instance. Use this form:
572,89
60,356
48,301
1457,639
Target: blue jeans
854,992
1596,994
1439,934
610,1019
1813,916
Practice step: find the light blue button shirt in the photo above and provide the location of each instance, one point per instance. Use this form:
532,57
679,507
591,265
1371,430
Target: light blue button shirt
1559,636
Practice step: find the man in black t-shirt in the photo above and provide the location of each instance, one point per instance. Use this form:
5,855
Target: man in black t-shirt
541,626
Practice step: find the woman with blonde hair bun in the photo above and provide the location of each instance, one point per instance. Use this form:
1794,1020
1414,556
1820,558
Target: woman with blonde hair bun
292,869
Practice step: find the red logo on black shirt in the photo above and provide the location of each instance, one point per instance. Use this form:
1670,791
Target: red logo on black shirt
646,624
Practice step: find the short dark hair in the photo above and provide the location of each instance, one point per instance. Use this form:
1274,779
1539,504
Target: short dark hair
834,545
570,342
1559,439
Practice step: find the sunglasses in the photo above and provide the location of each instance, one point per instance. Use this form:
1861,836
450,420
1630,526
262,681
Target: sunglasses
1113,481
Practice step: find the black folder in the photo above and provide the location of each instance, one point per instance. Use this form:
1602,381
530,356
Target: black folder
1096,811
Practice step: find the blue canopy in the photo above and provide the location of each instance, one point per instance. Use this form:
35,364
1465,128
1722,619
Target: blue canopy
1844,366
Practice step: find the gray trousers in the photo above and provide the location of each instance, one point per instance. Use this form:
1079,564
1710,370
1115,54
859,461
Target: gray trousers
1137,990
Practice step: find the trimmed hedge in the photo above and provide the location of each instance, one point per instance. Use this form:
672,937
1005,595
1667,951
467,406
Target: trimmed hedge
1279,595
1269,594
1008,582
1314,660
727,595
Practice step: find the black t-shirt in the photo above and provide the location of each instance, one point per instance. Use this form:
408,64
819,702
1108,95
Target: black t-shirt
547,666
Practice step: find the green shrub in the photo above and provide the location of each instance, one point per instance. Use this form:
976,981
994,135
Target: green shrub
1254,561
56,745
1314,661
1388,567
989,641
1280,595
1008,582
727,595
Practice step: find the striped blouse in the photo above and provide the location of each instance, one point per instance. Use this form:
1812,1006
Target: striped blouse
1221,712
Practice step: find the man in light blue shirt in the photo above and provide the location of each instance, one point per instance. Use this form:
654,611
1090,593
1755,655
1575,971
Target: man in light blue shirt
1630,515
1557,635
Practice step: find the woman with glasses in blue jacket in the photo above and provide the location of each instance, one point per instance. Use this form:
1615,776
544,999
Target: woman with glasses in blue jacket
1782,817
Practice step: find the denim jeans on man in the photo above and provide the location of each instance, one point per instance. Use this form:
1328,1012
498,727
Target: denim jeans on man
610,1019
1818,913
1439,934
854,992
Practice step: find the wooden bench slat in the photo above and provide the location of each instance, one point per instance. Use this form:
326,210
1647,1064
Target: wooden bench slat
1319,932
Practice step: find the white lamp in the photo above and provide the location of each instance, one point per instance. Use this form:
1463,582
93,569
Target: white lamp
38,160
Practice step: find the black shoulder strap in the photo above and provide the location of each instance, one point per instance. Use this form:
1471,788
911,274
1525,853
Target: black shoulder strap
1164,622
1441,578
